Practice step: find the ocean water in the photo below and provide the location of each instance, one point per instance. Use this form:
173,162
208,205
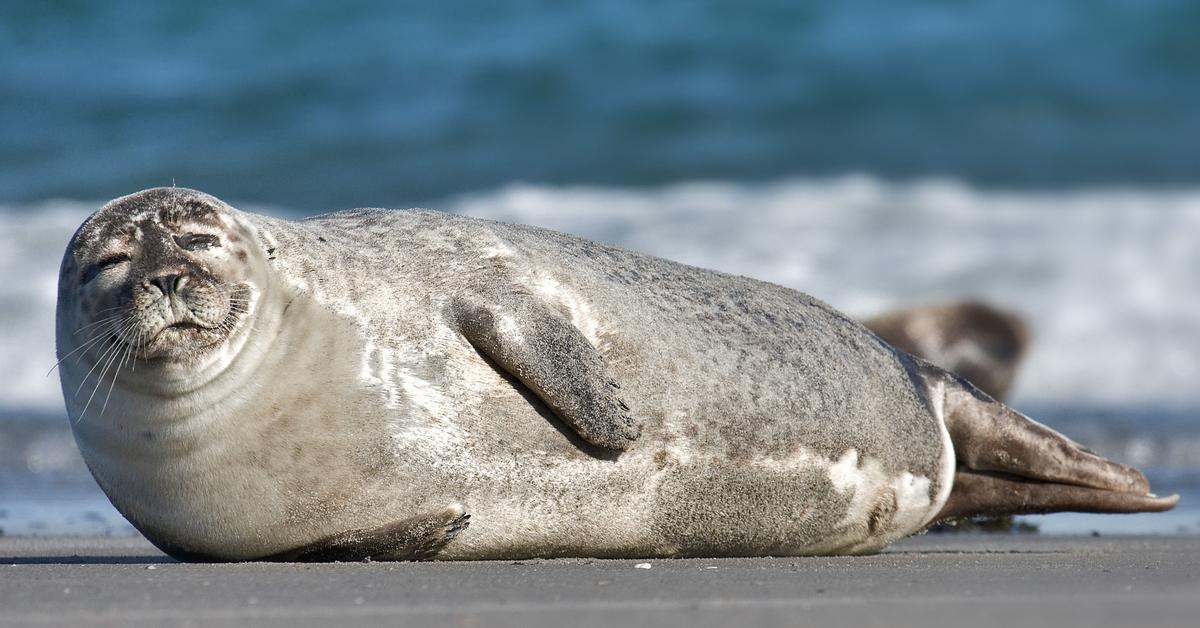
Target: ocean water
1037,154
375,102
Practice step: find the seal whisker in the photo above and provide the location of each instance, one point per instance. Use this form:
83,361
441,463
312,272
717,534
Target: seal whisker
116,373
137,347
100,359
98,336
107,323
99,312
100,379
100,321
106,329
103,325
89,342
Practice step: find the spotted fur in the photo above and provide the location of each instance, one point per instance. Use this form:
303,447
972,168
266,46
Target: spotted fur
348,398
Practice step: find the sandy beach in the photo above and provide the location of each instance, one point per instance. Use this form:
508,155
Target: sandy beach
979,581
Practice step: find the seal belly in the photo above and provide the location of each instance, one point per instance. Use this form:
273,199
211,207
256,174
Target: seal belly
806,504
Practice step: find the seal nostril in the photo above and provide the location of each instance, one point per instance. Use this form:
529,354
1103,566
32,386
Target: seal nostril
168,284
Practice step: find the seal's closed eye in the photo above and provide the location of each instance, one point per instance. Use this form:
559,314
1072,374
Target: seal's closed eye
95,269
197,241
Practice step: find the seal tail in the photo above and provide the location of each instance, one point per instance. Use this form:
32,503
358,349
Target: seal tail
1010,464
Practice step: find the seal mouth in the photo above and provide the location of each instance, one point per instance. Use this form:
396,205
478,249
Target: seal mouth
185,325
187,335
192,336
182,329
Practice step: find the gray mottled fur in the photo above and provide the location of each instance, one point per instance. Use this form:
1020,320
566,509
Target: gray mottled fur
380,400
740,367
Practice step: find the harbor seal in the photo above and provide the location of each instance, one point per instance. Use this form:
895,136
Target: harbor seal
356,385
981,343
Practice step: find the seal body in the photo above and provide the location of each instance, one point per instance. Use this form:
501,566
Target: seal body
771,423
353,394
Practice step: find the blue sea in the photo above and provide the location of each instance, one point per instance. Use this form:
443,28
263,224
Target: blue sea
1043,155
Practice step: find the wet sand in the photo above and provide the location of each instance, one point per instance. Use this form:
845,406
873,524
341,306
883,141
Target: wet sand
973,581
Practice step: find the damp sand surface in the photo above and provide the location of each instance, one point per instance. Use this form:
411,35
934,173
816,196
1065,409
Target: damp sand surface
979,581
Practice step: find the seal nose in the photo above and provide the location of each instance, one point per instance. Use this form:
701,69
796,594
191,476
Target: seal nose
168,284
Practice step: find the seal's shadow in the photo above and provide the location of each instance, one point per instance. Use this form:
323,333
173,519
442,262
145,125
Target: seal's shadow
87,559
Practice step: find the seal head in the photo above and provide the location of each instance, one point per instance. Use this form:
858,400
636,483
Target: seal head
163,280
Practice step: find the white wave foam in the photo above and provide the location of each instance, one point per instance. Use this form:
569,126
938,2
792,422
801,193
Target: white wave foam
1108,277
34,239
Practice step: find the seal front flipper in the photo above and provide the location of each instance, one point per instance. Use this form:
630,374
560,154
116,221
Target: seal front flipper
415,538
550,356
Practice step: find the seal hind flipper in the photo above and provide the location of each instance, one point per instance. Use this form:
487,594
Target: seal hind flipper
983,493
415,538
552,358
989,436
1009,464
